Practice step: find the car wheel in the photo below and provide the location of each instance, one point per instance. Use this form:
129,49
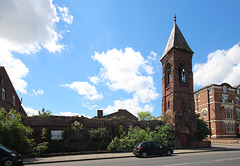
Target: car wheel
144,154
169,153
136,155
8,163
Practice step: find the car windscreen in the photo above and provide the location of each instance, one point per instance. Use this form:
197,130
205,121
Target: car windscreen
5,149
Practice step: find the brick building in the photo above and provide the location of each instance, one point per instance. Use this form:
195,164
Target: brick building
177,88
76,128
9,98
219,106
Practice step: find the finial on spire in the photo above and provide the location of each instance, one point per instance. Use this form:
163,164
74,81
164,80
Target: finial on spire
175,18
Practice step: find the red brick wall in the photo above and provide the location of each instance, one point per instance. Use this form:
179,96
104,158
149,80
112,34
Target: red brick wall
63,123
179,95
217,109
7,103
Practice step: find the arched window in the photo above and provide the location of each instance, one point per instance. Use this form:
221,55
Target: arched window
182,74
14,100
168,75
3,93
76,130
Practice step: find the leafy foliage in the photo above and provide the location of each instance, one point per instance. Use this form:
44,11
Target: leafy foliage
202,129
44,112
122,133
43,146
98,139
145,116
76,130
163,133
13,133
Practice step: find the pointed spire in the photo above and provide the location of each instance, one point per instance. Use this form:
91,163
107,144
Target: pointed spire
176,40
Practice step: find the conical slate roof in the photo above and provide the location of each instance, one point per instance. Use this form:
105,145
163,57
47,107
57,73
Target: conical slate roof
176,40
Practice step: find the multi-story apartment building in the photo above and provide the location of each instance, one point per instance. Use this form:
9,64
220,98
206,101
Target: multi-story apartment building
8,96
219,106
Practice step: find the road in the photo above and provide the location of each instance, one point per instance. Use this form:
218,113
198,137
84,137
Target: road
219,158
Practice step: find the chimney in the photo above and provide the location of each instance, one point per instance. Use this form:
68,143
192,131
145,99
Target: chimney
100,113
121,110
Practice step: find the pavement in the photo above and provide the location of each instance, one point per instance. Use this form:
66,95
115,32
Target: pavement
98,156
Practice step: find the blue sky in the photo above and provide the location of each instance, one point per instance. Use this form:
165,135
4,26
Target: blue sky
73,57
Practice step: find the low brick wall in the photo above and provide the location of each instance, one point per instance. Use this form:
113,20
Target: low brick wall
225,141
204,144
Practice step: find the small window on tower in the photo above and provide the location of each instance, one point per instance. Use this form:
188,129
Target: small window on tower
14,100
3,94
182,74
168,104
183,102
168,75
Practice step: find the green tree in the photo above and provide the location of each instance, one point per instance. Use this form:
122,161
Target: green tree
13,133
43,146
163,133
145,116
122,133
202,129
44,112
98,139
135,136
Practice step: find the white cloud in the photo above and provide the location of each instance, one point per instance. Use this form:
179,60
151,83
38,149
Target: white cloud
31,111
94,80
64,13
73,114
221,66
15,69
132,105
27,27
125,71
38,92
152,56
86,89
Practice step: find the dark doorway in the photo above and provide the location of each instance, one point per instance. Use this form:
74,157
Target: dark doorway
185,140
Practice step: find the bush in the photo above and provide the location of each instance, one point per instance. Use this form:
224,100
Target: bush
202,129
41,148
162,133
98,139
14,134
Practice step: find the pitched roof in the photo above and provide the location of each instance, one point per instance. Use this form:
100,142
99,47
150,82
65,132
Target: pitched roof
176,40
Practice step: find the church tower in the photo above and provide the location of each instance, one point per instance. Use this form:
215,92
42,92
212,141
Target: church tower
177,88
